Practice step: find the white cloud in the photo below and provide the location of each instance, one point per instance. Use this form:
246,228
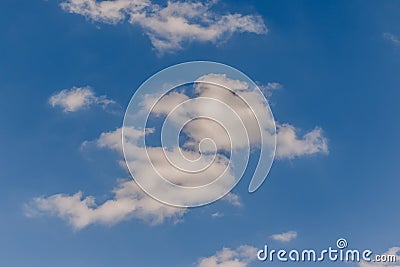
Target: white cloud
240,257
392,251
129,201
233,199
238,116
217,215
164,104
391,37
285,237
273,86
160,163
105,11
269,88
209,87
289,145
170,26
71,100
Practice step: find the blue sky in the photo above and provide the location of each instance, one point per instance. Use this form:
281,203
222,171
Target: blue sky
337,63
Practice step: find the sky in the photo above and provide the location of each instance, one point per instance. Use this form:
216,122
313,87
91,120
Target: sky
69,68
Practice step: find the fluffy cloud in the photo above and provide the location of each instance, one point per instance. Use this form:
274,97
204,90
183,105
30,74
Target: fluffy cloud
209,88
143,167
170,26
129,201
289,145
240,257
234,124
71,100
391,37
392,251
285,237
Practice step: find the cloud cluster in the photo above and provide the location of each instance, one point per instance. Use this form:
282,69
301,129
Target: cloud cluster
289,144
170,26
128,199
76,98
285,237
239,257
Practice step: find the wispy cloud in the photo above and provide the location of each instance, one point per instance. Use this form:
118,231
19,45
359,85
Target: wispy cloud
233,199
239,257
76,98
217,214
170,26
285,237
269,88
391,37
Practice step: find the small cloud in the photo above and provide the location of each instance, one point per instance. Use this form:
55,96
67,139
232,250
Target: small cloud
285,237
217,215
233,199
76,98
269,88
391,37
242,256
273,86
289,145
